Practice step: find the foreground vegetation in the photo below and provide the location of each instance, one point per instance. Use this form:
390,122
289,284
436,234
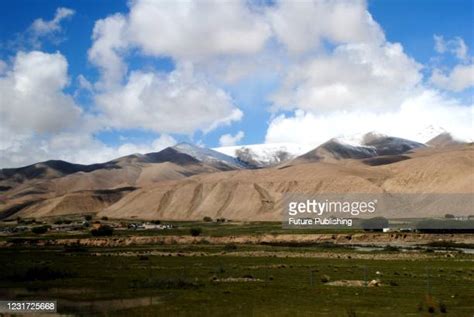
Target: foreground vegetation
218,280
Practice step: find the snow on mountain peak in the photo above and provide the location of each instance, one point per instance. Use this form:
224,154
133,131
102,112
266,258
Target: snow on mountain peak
261,155
207,155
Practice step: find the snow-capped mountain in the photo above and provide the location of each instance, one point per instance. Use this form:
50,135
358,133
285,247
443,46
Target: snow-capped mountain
262,155
359,147
209,156
388,145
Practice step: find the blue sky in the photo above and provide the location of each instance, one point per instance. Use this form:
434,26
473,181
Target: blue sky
264,117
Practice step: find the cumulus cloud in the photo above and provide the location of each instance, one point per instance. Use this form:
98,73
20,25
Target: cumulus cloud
230,140
193,30
39,121
354,76
42,28
178,102
458,79
109,43
304,25
416,114
33,100
455,46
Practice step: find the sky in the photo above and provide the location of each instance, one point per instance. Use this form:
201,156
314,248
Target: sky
89,81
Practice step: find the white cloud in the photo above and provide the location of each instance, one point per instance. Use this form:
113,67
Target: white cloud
230,140
41,28
32,99
455,46
3,67
84,84
354,76
178,102
192,30
76,147
39,121
458,79
157,145
303,25
109,43
416,113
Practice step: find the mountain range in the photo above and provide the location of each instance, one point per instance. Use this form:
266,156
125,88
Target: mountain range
187,182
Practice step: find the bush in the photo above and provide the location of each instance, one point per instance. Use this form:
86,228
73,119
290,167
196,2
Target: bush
156,222
207,219
105,218
102,231
230,247
449,216
88,217
75,247
40,229
195,231
41,273
442,308
325,278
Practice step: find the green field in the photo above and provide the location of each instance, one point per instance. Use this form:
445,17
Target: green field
225,280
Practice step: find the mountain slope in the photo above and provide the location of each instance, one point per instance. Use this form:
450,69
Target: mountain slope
264,155
443,140
259,194
368,146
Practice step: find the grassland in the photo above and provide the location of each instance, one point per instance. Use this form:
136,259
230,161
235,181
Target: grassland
204,277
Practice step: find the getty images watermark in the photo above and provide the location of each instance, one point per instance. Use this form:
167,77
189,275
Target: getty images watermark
380,210
327,212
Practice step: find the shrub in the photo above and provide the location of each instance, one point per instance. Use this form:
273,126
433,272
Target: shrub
41,273
88,217
207,219
75,247
156,222
105,218
195,231
391,248
442,308
325,278
40,229
230,247
102,231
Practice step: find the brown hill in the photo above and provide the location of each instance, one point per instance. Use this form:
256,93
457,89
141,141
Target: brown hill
443,140
258,194
162,191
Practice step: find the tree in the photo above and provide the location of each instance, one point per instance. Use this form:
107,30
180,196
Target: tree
40,229
207,219
449,216
102,231
88,217
195,231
